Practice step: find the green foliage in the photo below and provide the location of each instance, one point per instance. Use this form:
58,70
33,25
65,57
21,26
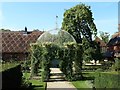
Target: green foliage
70,58
78,59
67,54
96,51
25,65
32,84
78,22
106,65
116,65
91,51
11,77
107,80
36,57
92,67
4,30
104,36
87,55
82,85
25,83
8,65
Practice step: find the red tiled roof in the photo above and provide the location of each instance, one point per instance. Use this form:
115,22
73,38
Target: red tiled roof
15,41
115,40
116,35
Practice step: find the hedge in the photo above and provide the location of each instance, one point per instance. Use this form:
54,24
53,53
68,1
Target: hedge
11,77
107,80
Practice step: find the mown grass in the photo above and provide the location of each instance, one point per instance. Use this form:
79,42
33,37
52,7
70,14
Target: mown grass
36,84
83,84
86,83
88,74
26,75
6,66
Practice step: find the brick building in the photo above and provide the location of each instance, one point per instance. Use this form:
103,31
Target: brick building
114,44
102,44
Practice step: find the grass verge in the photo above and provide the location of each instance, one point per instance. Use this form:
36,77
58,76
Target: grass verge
83,84
36,84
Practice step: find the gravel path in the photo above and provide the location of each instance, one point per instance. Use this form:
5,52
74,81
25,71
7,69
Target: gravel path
57,82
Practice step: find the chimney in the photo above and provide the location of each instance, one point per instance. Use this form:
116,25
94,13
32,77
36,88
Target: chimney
25,29
25,32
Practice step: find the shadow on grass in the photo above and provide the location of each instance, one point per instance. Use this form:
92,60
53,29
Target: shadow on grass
53,80
37,85
88,78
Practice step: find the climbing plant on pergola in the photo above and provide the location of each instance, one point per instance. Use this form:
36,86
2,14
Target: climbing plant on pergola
58,45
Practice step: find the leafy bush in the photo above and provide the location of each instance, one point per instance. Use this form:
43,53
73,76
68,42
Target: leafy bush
12,76
106,65
25,83
25,65
116,65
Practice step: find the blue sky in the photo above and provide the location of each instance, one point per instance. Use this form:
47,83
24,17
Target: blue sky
41,15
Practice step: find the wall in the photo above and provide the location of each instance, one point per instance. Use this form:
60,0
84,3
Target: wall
14,56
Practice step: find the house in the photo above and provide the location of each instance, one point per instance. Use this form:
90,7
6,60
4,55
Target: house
102,44
16,44
114,44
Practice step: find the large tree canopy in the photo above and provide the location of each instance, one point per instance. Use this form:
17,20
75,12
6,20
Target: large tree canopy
78,22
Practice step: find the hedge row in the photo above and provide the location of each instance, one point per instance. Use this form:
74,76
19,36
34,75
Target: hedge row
12,77
107,80
91,67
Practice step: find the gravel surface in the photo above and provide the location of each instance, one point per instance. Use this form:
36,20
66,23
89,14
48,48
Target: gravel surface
57,81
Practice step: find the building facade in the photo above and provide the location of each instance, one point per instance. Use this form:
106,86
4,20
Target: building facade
114,44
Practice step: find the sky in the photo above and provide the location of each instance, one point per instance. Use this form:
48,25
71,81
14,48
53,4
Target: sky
42,15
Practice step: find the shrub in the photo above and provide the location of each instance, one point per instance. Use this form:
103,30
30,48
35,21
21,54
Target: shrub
106,65
26,66
25,83
116,65
11,77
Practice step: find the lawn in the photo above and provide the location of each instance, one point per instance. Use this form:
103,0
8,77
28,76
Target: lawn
36,84
7,66
86,84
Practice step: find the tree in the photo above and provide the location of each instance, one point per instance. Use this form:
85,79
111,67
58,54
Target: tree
36,30
78,22
4,30
91,53
104,36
